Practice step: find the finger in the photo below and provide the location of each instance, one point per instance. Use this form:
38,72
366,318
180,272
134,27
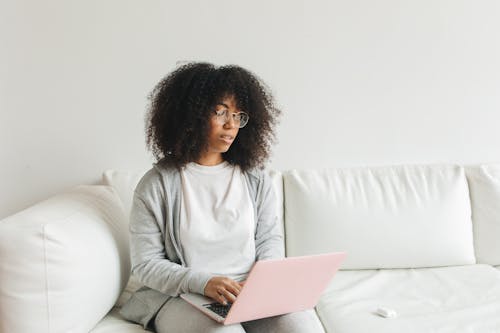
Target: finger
235,285
222,296
234,288
217,298
221,299
238,286
213,294
229,296
227,293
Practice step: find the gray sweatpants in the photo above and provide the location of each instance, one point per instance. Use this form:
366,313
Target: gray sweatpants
177,316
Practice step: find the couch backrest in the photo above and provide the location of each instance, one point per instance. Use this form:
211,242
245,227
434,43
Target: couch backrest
484,186
383,217
124,182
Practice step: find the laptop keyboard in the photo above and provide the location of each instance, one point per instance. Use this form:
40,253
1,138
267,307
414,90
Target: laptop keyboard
218,308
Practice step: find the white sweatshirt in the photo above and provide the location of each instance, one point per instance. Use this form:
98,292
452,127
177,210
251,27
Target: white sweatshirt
217,223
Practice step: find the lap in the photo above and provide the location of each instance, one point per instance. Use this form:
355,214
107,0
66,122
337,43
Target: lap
296,322
176,315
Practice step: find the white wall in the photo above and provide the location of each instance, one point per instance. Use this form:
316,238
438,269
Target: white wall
361,82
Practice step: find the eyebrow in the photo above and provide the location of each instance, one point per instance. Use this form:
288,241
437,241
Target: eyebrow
227,107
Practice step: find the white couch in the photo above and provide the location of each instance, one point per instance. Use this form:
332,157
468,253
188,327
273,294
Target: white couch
423,240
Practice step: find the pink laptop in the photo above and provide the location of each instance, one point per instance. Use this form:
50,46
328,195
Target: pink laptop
275,287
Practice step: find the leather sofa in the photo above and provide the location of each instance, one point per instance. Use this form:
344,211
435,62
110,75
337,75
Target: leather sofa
422,240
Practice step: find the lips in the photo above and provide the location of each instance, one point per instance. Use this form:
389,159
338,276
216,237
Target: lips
227,138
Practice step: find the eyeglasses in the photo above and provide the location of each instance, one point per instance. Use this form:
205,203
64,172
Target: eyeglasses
240,118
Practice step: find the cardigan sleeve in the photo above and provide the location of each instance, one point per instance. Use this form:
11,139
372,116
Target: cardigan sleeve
150,263
269,243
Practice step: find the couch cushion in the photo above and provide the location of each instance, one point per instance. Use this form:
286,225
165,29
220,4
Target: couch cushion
384,217
484,185
63,262
445,299
124,182
114,323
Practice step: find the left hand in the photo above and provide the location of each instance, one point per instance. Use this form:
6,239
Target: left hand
222,289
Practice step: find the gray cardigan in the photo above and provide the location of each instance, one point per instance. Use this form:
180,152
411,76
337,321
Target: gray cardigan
156,254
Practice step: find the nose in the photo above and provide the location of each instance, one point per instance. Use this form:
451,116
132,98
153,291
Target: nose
230,122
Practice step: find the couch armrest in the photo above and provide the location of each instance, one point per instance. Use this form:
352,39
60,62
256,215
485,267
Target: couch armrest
63,262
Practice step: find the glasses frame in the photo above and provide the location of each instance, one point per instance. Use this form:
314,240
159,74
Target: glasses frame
240,118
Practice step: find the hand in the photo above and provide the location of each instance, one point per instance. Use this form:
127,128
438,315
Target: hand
222,289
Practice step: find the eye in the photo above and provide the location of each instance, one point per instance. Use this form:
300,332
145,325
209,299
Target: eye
221,112
241,116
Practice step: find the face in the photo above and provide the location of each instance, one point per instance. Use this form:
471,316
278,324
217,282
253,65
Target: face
220,136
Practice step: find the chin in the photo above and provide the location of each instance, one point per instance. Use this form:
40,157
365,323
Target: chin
224,149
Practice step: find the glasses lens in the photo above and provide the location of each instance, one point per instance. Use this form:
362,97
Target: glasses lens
243,119
240,118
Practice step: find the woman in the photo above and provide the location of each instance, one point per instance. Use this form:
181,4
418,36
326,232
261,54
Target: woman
206,211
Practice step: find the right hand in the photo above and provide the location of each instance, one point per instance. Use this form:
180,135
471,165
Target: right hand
222,289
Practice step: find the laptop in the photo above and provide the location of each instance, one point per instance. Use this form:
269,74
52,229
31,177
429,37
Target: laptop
274,287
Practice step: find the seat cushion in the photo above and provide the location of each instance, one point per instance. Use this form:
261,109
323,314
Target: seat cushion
383,217
444,299
114,323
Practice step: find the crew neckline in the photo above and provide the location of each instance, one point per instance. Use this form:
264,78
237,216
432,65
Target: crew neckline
208,168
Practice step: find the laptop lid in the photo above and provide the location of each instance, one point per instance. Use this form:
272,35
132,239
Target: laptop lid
277,286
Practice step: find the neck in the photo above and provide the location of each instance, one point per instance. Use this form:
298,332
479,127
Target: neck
210,159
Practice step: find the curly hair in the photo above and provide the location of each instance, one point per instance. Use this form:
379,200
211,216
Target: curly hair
177,120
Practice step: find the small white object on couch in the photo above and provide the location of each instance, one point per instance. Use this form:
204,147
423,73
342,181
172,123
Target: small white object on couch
386,312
